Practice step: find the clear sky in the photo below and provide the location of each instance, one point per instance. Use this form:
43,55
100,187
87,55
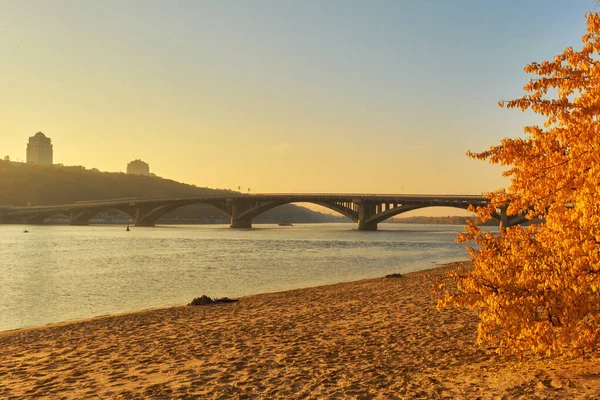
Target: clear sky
277,96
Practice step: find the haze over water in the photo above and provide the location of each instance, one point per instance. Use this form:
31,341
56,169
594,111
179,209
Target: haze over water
59,273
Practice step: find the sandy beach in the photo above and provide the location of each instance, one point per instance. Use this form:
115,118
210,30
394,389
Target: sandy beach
371,339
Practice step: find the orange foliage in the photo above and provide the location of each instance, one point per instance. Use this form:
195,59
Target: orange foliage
538,287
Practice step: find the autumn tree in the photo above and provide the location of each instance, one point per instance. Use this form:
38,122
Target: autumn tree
537,287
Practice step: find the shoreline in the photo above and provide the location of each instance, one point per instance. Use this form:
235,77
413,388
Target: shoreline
372,338
125,313
111,314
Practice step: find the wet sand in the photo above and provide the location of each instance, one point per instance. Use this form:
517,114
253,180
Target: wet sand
371,339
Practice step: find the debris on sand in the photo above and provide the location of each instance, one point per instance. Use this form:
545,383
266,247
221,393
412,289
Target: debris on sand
205,300
394,275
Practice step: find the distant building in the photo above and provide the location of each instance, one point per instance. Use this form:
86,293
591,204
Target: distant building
39,150
138,167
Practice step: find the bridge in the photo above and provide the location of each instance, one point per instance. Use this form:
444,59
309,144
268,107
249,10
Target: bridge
366,210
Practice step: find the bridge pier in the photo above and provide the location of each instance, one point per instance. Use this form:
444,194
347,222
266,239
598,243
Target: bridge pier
503,218
507,221
367,226
365,211
144,217
236,209
243,223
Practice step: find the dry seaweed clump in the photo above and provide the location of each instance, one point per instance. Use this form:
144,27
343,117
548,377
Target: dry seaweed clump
394,275
205,300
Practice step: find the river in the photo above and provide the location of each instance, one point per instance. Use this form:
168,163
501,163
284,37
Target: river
61,273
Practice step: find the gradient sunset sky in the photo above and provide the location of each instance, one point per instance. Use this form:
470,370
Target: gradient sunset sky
277,96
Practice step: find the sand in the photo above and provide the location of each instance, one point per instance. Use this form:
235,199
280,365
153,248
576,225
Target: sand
371,339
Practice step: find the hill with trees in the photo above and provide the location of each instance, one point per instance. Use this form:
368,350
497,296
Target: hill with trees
23,184
448,220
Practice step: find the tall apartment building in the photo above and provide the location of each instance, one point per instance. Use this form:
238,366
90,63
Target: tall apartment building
138,167
39,150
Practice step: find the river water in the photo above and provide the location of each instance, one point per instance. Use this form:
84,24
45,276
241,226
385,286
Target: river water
60,273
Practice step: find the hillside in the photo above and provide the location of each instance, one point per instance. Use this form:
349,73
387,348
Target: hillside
449,220
22,184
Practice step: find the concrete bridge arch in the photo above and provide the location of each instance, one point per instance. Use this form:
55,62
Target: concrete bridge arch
242,214
367,214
